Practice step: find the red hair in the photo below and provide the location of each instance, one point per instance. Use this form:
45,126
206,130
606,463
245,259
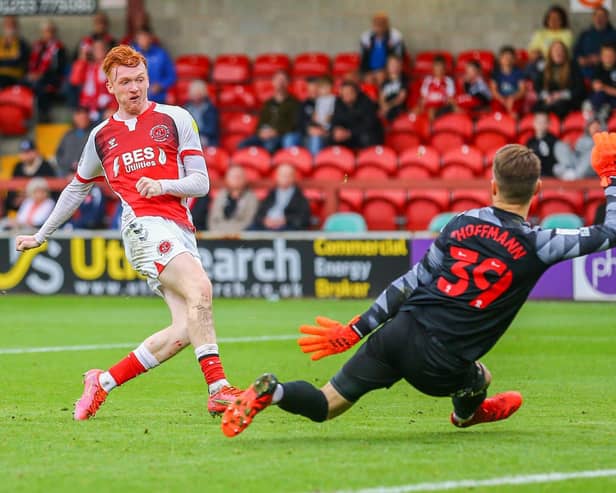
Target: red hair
122,55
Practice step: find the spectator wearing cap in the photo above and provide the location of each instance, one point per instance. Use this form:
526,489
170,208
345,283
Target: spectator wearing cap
37,206
377,45
161,69
278,121
73,142
100,32
46,68
14,52
204,113
30,164
588,45
89,80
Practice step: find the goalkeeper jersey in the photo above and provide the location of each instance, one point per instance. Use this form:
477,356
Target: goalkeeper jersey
478,273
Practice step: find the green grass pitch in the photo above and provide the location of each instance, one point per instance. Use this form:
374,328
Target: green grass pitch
153,434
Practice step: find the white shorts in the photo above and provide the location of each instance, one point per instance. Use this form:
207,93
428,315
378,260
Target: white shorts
151,242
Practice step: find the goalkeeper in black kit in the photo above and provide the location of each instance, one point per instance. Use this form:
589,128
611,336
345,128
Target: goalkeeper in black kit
431,325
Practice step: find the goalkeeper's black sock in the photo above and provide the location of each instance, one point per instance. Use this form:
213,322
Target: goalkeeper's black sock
303,398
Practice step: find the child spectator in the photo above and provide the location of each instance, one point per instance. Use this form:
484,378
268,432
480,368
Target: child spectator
545,145
161,69
204,112
591,40
376,46
14,53
46,68
355,123
437,91
507,84
73,142
88,78
394,90
477,95
560,86
603,97
320,124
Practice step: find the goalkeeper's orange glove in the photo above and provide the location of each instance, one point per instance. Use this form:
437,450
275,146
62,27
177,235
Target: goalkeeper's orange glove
328,337
603,156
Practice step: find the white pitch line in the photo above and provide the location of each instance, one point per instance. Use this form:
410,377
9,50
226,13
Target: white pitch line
551,477
124,345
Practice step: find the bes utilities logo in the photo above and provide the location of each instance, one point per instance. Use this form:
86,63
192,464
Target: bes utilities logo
595,276
139,159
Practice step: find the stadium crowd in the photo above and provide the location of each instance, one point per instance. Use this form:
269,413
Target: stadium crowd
552,96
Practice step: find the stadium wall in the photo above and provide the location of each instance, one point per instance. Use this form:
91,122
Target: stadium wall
257,26
270,266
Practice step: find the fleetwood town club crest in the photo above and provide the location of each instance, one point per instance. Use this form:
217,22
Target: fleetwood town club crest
164,247
160,133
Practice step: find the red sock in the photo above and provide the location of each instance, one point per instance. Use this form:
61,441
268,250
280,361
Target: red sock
128,368
212,368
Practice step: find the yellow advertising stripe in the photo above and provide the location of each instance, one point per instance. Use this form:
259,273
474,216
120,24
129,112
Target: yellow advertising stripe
10,279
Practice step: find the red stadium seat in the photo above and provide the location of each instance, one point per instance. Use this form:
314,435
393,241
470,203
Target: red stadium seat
574,121
497,122
558,201
264,90
526,124
192,67
424,59
216,158
345,63
299,157
12,120
267,64
594,198
425,159
459,123
312,64
488,141
237,97
178,94
484,57
423,205
229,142
455,161
611,123
231,69
444,141
298,88
412,123
414,94
463,200
240,123
521,57
401,141
377,157
316,199
19,96
381,208
255,160
571,136
350,200
334,163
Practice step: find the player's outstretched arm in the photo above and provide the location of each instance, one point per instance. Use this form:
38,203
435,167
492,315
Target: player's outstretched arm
70,199
554,245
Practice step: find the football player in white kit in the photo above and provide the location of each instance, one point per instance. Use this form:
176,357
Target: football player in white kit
151,157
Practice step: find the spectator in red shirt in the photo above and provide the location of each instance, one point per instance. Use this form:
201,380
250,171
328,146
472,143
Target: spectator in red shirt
100,31
87,74
46,68
437,91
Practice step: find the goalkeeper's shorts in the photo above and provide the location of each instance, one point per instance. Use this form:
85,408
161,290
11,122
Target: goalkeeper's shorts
401,349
